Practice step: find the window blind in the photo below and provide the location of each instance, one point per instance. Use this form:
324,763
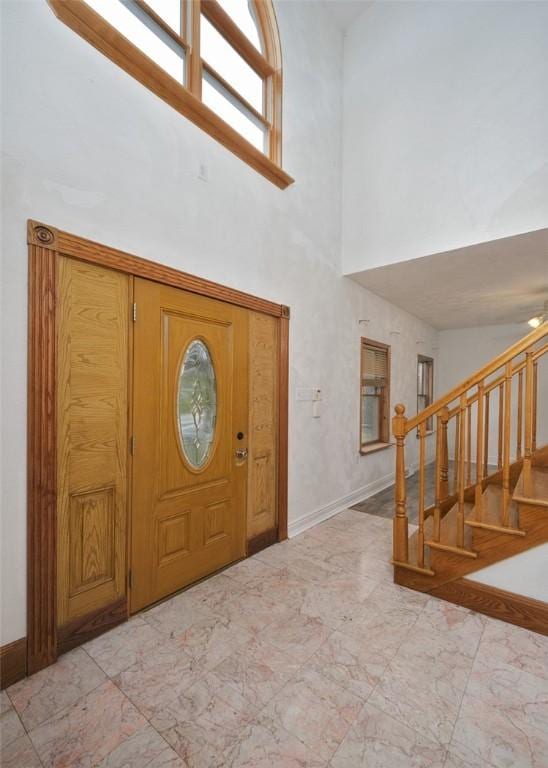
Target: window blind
375,366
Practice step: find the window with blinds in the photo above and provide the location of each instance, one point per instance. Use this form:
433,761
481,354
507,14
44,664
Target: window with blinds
374,393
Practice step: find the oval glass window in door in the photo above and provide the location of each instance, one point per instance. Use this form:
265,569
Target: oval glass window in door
197,404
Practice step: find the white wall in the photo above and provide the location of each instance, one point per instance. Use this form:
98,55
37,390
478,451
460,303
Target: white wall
525,574
90,150
445,128
464,351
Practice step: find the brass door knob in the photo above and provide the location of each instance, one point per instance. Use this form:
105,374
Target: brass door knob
241,453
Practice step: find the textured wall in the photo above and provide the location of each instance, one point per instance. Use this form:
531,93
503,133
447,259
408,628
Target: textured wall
445,128
88,149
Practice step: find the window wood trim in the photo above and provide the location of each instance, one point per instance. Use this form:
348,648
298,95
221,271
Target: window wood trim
384,427
223,23
161,23
430,362
368,448
83,20
233,92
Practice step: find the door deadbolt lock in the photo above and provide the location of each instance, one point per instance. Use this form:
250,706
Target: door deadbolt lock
241,453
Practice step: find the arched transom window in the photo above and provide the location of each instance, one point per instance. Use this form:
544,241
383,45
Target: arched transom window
218,62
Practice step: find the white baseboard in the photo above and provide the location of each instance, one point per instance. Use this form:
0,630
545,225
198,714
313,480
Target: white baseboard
324,513
413,467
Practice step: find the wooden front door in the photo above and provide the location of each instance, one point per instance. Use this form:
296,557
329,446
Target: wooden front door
190,430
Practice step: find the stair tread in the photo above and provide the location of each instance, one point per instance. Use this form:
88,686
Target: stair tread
413,556
538,489
413,547
540,456
448,532
491,513
491,517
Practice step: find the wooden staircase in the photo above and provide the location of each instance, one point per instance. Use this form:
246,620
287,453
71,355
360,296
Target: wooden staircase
481,514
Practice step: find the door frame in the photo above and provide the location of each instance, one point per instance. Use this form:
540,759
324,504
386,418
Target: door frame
46,244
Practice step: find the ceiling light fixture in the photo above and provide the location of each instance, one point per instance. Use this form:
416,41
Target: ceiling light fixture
537,320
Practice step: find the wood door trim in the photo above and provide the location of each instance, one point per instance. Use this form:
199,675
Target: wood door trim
13,662
45,245
262,541
283,421
96,253
42,450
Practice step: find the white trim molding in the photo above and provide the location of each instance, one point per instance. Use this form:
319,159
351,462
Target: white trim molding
339,505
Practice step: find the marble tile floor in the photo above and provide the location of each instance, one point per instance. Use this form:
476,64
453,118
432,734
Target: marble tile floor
303,656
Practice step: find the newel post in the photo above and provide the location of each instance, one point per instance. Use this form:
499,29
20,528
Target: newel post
399,422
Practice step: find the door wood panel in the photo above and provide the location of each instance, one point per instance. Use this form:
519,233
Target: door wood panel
48,438
263,424
91,539
92,438
187,521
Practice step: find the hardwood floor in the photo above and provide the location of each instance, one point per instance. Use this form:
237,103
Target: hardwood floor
382,503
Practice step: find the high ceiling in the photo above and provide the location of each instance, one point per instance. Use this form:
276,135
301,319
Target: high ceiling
345,12
492,283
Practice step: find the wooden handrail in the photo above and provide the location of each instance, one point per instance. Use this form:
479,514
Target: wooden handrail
517,368
473,396
516,349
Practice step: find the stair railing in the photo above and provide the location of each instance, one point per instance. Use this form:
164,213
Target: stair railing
467,410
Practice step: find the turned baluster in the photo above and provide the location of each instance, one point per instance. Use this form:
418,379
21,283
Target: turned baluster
441,484
479,453
520,415
501,419
506,444
399,422
422,436
486,436
444,454
462,448
535,394
529,420
456,452
437,500
469,445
